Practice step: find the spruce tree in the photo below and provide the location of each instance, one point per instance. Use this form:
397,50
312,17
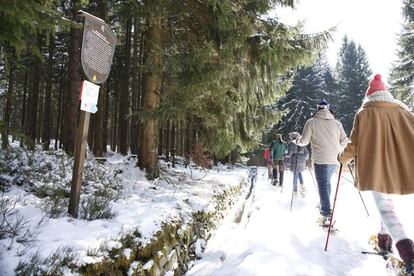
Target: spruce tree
300,101
402,73
353,76
230,82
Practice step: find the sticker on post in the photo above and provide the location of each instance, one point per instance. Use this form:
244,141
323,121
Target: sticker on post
89,96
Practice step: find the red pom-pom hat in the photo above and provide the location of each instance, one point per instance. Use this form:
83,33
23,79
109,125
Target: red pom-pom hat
376,84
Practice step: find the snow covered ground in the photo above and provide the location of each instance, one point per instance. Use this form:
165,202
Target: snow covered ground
261,236
142,205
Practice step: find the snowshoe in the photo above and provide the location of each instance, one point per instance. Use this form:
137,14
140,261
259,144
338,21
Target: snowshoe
324,222
302,190
393,265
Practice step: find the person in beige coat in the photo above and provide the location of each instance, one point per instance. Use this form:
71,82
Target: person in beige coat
382,145
327,137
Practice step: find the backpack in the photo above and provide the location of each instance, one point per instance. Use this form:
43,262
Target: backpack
266,153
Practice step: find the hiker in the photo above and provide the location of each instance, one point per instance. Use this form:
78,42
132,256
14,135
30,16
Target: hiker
382,145
327,137
298,157
269,162
277,153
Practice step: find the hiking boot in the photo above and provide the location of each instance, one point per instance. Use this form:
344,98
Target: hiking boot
409,269
302,190
406,250
324,220
384,242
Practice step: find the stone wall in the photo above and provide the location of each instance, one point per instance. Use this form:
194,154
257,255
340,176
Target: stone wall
172,249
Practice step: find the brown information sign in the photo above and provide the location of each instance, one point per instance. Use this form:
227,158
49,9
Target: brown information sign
98,47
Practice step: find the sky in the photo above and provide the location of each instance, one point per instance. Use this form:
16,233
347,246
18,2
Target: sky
373,24
262,236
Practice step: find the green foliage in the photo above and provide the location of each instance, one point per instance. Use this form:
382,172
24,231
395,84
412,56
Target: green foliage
308,88
353,76
225,68
97,205
22,21
402,72
58,200
57,263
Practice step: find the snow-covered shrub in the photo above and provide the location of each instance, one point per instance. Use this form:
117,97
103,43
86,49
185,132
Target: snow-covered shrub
31,169
56,205
12,224
48,175
97,205
15,227
58,263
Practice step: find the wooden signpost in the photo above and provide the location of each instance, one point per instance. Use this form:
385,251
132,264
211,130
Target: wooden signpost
98,47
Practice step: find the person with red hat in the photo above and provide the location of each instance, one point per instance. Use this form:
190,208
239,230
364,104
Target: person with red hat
381,144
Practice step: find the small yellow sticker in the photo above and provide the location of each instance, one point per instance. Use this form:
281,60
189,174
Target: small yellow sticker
94,77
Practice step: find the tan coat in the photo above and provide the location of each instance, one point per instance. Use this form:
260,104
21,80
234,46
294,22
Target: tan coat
382,144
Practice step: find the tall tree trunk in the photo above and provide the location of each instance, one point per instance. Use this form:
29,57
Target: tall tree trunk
161,136
25,86
167,140
33,103
135,90
173,143
98,144
151,100
124,99
182,139
8,107
188,143
60,101
106,117
114,123
47,113
99,124
40,112
74,79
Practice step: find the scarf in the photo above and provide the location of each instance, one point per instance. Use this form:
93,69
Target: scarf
384,96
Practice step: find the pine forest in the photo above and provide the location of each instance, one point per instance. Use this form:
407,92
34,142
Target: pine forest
202,79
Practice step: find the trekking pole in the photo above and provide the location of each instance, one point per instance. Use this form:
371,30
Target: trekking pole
294,177
313,179
333,208
362,199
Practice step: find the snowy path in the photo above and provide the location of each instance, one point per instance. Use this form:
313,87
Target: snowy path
261,236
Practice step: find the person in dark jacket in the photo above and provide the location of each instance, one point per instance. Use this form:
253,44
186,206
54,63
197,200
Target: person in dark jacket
278,150
298,156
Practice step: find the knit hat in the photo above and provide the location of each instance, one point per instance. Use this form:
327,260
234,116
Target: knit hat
322,104
376,84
